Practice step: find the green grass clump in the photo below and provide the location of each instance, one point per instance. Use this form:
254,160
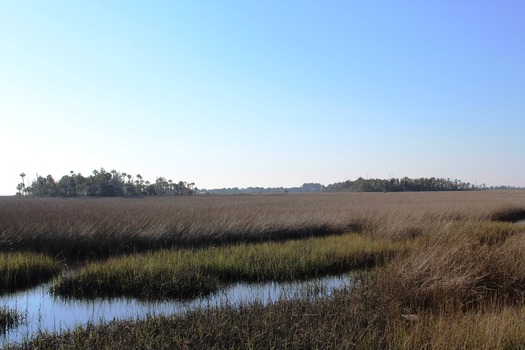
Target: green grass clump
297,259
24,269
147,277
188,273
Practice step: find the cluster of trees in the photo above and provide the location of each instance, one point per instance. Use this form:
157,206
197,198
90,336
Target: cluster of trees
102,183
403,185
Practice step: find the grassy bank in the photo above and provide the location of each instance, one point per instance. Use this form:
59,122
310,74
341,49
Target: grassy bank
187,273
21,270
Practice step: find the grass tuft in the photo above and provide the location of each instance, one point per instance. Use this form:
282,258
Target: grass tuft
21,270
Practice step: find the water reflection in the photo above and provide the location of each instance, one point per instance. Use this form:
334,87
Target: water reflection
45,312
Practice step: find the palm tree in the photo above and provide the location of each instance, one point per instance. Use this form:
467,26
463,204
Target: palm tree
139,179
23,175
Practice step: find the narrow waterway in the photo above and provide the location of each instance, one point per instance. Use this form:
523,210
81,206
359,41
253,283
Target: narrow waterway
45,312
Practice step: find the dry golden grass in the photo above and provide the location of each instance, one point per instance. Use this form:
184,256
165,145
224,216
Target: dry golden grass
470,264
492,327
95,227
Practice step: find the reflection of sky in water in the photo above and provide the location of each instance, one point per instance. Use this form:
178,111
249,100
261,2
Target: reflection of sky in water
521,222
45,312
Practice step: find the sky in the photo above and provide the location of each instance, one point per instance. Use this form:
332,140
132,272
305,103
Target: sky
263,93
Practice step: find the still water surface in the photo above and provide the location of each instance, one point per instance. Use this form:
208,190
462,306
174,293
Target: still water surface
45,312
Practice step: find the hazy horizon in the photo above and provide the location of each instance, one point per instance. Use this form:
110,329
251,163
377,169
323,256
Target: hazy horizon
268,94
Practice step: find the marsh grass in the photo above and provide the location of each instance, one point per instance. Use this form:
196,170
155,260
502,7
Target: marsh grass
191,272
490,327
326,323
9,318
343,321
474,263
455,279
21,270
92,228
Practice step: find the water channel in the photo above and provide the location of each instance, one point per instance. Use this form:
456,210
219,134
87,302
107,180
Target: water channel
44,311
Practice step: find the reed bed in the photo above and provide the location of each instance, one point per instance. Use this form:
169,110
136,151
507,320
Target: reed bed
474,263
24,269
80,228
189,273
458,283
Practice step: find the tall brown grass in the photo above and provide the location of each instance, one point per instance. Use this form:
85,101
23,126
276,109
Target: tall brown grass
97,227
471,264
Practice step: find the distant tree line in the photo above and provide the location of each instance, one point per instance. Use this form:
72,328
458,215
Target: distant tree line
403,185
102,183
305,188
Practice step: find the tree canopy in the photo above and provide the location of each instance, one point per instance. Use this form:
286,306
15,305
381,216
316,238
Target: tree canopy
102,183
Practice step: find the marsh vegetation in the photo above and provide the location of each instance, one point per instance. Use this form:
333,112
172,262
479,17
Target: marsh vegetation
444,270
21,269
9,318
185,273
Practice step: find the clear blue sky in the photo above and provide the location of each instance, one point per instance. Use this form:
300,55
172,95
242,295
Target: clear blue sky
263,93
